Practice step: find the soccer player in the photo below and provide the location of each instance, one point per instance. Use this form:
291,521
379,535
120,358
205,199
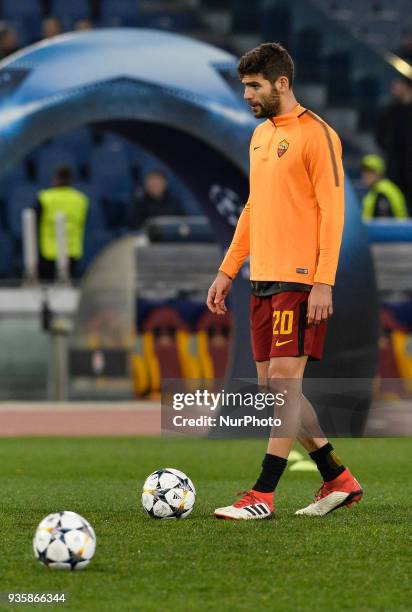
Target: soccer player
291,227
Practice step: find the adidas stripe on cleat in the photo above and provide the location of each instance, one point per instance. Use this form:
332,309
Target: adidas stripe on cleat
253,505
342,491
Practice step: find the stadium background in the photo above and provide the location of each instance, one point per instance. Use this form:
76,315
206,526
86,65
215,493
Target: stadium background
87,358
102,118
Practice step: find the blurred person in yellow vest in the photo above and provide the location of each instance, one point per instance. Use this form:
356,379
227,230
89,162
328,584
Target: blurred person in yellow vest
384,198
61,198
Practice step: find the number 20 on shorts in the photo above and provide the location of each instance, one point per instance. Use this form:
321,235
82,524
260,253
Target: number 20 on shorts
282,321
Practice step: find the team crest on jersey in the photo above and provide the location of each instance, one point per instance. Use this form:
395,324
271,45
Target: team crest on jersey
283,146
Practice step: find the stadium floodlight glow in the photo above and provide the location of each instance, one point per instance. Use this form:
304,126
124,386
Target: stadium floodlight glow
176,97
399,64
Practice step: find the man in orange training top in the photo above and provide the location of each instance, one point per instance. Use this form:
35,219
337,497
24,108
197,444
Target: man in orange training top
291,227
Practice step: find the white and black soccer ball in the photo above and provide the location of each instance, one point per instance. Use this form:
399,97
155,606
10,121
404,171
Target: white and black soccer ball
168,493
64,540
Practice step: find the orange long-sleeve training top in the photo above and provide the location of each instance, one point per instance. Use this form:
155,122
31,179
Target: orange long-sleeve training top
292,223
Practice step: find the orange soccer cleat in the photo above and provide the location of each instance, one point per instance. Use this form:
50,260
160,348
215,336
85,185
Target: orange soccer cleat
344,490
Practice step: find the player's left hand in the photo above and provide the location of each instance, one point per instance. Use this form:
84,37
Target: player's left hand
320,305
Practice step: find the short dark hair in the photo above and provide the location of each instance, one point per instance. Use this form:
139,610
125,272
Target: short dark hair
63,175
270,59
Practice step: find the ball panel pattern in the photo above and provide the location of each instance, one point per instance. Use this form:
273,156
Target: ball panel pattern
168,493
64,540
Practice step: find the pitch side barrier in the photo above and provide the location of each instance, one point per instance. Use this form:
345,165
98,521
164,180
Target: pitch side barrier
390,230
391,244
175,97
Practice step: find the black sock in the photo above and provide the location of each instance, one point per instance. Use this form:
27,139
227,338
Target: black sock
327,462
272,469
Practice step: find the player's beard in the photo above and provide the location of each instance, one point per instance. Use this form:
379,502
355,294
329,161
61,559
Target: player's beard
269,105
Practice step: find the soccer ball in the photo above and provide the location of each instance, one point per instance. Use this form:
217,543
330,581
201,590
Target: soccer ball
168,493
64,540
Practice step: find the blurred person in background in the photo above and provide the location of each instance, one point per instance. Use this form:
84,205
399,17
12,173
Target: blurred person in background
384,198
51,26
394,136
405,50
8,41
83,25
154,200
60,198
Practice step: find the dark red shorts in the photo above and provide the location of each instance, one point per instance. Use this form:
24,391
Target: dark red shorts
279,328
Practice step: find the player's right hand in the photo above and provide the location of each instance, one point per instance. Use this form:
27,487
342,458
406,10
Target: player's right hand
217,293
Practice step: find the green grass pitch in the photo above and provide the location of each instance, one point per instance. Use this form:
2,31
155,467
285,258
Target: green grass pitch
358,559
